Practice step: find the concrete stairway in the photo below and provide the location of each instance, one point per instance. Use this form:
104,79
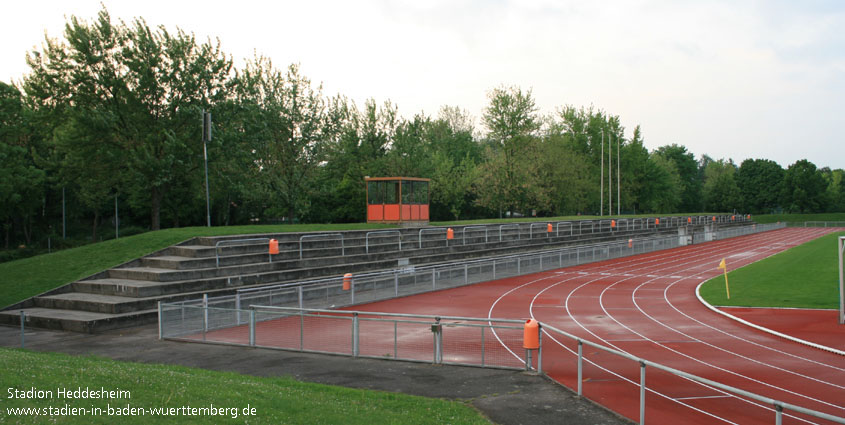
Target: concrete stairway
127,295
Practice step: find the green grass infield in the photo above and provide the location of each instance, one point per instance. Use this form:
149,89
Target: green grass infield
806,276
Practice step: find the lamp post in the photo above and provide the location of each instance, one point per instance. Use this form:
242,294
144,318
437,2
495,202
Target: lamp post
601,178
206,137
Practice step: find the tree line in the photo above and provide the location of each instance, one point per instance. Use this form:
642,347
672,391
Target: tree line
109,119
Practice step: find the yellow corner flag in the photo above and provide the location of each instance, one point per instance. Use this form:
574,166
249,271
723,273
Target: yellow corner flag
724,267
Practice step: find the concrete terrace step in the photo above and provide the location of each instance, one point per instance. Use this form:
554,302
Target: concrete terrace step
76,320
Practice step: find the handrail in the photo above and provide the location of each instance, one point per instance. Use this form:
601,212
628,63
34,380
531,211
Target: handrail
571,228
779,405
531,229
445,229
627,223
342,247
474,227
370,313
217,246
581,226
518,236
392,232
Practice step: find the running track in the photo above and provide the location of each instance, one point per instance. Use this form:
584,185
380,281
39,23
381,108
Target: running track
646,306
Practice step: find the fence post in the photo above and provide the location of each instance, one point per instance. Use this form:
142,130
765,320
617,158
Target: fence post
204,315
23,329
355,335
433,279
299,296
466,274
352,290
160,324
580,367
238,307
540,348
642,392
778,414
437,330
482,344
396,283
251,327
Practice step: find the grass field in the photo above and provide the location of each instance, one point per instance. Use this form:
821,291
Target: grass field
274,400
806,276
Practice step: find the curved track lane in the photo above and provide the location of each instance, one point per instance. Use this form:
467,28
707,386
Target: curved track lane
646,306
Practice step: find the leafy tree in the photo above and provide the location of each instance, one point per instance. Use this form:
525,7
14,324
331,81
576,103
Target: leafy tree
662,194
688,172
760,184
803,188
720,190
511,178
286,122
21,180
139,89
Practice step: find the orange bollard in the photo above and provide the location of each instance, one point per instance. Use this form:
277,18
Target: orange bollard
748,217
689,220
714,218
630,243
733,217
612,224
531,335
347,281
274,247
549,228
656,221
450,234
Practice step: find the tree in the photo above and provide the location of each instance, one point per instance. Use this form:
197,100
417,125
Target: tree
512,169
803,188
139,89
760,183
21,180
720,191
287,123
688,172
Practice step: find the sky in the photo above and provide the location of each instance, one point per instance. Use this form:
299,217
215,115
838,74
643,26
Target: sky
732,79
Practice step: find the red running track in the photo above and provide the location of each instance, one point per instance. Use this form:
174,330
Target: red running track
646,306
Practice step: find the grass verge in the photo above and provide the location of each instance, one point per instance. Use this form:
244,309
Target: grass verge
797,219
274,400
806,276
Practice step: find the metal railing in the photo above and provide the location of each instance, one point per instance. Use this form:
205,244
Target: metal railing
824,224
382,232
468,228
240,241
503,226
322,235
531,229
445,231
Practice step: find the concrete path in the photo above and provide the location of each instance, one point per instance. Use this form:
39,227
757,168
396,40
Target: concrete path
505,397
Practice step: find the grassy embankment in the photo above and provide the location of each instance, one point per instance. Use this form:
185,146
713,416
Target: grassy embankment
278,400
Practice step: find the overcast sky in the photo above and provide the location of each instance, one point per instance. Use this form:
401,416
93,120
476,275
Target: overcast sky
729,79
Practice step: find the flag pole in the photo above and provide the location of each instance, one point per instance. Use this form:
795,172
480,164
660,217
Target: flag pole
724,267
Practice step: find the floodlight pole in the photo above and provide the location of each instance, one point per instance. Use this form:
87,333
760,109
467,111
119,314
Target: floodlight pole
618,180
841,281
206,137
601,178
610,174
